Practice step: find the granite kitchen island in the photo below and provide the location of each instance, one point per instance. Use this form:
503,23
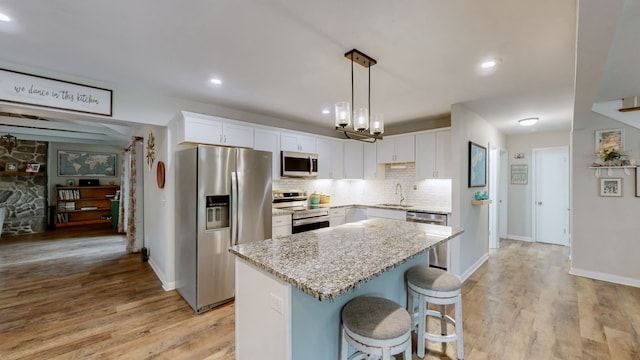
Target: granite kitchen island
289,291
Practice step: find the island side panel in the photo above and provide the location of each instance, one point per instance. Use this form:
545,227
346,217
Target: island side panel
315,331
263,314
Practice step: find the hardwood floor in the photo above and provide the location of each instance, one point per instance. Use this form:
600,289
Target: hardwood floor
83,297
69,295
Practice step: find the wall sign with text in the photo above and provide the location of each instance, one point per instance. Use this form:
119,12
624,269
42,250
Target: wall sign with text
22,88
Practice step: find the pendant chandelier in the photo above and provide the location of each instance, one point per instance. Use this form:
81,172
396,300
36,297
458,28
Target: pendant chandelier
8,141
366,127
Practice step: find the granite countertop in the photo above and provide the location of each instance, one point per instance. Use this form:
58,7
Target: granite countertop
329,262
421,208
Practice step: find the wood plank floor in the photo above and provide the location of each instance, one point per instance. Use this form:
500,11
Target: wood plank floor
68,295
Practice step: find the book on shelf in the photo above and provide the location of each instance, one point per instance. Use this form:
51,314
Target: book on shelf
89,208
69,194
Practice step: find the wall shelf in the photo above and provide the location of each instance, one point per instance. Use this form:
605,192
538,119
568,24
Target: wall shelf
626,169
481,202
20,173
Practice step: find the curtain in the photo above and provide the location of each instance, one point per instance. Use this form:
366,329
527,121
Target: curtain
128,203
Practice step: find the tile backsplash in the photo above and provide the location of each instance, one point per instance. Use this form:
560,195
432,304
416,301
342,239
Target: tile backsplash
434,194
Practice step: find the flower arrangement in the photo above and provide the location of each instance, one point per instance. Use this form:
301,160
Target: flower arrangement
610,154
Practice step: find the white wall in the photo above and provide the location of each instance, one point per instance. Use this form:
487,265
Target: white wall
520,206
470,249
604,229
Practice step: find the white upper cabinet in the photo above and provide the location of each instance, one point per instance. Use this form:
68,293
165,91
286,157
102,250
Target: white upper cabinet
213,130
297,142
330,159
372,170
269,140
396,149
433,155
353,160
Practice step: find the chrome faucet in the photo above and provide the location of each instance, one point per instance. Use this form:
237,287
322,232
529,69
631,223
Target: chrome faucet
401,193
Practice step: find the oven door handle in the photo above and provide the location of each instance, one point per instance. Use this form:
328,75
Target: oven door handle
311,220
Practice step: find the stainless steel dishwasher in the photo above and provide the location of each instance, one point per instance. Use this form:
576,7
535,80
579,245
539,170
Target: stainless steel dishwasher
437,255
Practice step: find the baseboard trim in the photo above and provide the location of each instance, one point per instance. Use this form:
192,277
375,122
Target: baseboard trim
474,267
622,280
167,286
521,238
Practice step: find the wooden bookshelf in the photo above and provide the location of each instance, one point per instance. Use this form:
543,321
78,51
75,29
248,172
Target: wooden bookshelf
84,205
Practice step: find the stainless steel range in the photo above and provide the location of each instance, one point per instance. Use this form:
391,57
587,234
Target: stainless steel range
305,217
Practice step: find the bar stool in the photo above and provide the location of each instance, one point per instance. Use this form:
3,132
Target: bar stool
374,326
434,286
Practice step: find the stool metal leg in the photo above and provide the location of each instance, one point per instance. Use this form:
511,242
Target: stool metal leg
443,323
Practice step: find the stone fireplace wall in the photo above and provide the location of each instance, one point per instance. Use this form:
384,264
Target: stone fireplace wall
24,197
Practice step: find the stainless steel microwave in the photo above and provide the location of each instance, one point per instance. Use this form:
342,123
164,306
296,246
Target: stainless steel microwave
297,164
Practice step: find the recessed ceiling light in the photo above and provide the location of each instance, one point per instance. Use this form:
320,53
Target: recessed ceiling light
4,17
528,121
216,81
326,111
489,64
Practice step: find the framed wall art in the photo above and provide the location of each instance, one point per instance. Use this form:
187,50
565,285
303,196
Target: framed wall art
32,168
609,139
22,88
477,165
610,187
637,181
519,174
11,166
84,163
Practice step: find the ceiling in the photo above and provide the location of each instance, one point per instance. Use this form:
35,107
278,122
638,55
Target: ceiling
285,59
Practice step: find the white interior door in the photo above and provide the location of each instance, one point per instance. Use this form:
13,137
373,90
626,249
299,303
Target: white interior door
551,195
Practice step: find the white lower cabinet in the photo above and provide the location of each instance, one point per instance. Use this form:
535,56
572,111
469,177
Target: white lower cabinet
355,213
386,213
280,226
337,216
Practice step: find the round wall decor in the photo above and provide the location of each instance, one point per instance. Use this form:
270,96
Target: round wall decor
160,174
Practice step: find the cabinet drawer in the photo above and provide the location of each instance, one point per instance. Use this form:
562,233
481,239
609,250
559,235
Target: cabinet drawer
281,220
337,212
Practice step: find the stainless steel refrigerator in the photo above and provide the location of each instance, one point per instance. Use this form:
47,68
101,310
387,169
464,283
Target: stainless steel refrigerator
223,198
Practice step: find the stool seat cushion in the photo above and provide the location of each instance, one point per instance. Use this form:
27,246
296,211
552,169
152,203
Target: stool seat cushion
433,279
375,318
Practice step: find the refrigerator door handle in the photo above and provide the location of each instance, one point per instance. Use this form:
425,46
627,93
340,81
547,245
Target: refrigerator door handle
234,208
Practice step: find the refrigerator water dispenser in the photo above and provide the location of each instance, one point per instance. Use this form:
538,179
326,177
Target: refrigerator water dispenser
217,212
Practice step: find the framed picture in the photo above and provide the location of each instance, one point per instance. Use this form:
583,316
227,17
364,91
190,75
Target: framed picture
609,139
519,174
11,166
22,88
85,163
610,187
33,168
637,181
70,182
477,165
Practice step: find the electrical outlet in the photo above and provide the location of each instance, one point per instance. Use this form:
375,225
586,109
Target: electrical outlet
276,303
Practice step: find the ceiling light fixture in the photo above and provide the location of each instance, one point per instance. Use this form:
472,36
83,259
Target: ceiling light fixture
4,17
326,111
361,116
488,64
8,141
528,121
216,81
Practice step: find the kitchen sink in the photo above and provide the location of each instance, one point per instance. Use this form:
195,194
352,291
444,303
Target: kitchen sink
395,205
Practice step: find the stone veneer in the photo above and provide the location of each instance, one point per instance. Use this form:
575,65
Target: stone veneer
24,197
